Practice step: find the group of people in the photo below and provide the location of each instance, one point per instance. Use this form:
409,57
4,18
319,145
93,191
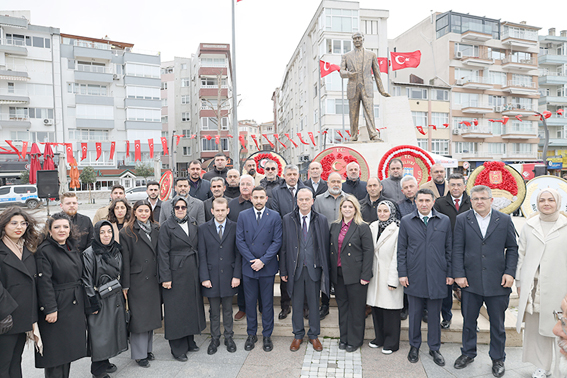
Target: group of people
385,247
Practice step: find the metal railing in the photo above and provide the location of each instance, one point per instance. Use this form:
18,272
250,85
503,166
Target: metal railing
545,72
13,92
469,26
14,117
214,86
13,42
475,104
480,80
480,129
516,106
95,69
522,84
520,34
482,55
515,59
550,52
520,129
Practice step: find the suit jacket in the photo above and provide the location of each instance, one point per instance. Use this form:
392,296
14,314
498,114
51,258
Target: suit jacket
157,210
259,241
282,201
322,188
219,260
445,205
431,186
483,261
194,207
208,205
368,65
357,253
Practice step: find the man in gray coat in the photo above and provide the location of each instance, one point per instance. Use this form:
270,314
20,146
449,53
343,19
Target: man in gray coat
195,206
424,269
391,186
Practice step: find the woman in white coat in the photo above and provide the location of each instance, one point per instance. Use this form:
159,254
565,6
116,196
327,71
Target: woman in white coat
385,294
541,281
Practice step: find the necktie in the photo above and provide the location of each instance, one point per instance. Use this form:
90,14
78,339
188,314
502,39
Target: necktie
457,204
425,219
258,217
292,189
220,231
304,228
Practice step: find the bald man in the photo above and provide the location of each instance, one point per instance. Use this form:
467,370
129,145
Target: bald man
437,184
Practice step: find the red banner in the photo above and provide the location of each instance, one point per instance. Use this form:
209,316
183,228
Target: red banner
217,139
269,141
278,139
15,149
311,137
112,149
327,68
83,151
405,60
383,64
24,149
177,137
301,139
127,148
420,129
137,151
255,141
98,150
341,134
151,147
69,150
164,145
291,140
242,141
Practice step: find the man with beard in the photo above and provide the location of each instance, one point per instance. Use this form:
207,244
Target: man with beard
195,207
251,168
560,330
271,179
70,204
232,184
353,184
152,190
219,170
369,204
437,184
199,188
315,182
116,192
217,188
391,187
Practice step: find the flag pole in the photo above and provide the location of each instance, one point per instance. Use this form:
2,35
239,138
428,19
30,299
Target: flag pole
235,150
343,101
320,115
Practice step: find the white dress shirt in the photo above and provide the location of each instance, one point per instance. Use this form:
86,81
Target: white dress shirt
483,222
421,216
307,220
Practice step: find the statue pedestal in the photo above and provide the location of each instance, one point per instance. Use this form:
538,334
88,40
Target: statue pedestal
395,115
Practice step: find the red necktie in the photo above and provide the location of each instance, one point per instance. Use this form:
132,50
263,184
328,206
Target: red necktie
457,204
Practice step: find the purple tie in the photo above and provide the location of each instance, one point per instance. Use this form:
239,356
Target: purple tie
304,227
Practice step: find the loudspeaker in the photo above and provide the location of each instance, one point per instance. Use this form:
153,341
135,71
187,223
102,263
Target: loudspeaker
47,184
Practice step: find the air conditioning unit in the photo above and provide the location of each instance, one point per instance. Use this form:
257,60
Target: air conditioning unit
48,122
115,77
459,54
304,158
498,109
457,131
460,81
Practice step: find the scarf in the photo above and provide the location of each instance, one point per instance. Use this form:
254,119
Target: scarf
16,247
555,215
146,227
393,219
105,251
173,203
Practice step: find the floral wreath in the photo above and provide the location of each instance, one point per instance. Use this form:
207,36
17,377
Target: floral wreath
415,152
508,182
258,158
327,164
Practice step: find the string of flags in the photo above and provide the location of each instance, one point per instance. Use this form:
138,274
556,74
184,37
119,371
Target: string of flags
398,61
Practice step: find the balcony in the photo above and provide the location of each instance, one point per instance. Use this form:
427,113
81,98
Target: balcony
547,77
475,33
519,155
518,109
475,107
208,71
470,155
13,46
520,87
519,131
516,64
210,92
15,120
520,38
552,58
476,132
12,74
476,61
99,74
476,83
556,119
14,97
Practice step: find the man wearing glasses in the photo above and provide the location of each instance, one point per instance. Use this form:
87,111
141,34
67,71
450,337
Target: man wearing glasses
272,180
485,255
560,330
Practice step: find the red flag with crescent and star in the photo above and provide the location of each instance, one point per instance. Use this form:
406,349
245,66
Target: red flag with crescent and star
69,150
83,151
177,137
301,139
112,149
327,68
24,149
405,60
164,145
15,149
151,147
217,139
255,141
420,129
242,141
137,151
127,148
269,141
291,140
383,64
98,150
311,137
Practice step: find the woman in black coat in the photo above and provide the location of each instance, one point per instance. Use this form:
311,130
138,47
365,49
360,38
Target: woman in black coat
352,252
139,239
60,298
106,316
179,275
18,297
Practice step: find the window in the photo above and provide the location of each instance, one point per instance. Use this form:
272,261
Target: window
183,66
91,67
440,146
341,20
94,111
212,103
88,135
167,70
466,99
522,148
337,46
438,119
165,134
370,26
498,128
211,123
522,80
465,148
164,119
466,75
496,100
34,137
187,133
439,95
185,99
212,82
497,54
497,148
498,78
41,113
18,40
163,86
333,82
520,57
143,70
185,82
103,160
186,151
422,143
17,114
419,118
11,88
210,145
164,102
396,91
185,116
417,93
337,106
140,114
148,93
457,123
213,62
467,50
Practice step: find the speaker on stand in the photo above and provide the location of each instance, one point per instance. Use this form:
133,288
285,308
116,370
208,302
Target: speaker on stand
47,185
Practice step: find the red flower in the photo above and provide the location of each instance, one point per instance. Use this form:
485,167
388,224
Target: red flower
258,158
508,182
415,152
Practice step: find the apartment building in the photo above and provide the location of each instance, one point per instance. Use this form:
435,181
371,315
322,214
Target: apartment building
492,69
327,37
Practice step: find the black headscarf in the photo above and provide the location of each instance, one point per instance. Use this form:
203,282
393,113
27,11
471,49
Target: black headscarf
393,218
106,251
173,203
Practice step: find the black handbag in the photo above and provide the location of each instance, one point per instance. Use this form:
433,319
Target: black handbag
109,288
6,324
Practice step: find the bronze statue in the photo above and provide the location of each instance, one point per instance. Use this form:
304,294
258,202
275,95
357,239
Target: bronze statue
358,66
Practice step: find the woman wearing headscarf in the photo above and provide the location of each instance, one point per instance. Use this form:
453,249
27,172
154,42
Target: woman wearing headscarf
541,281
139,239
179,275
61,298
106,316
119,214
385,294
18,296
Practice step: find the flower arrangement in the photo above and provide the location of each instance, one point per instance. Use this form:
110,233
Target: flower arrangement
507,183
259,157
327,163
397,152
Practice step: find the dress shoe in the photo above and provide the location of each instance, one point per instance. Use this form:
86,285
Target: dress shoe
413,355
463,361
212,349
323,312
404,314
425,316
498,369
194,348
295,344
230,344
284,313
374,344
437,357
342,346
368,311
268,345
445,324
111,368
239,315
351,348
143,363
151,356
181,358
101,376
306,313
316,345
250,342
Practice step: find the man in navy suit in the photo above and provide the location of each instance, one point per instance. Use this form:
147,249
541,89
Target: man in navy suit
485,255
315,181
259,238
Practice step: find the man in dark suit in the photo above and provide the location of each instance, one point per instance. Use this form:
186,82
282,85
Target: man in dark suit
353,184
271,179
485,255
218,187
304,265
409,189
315,182
259,238
195,207
369,204
284,201
152,190
220,271
199,188
456,202
70,204
424,269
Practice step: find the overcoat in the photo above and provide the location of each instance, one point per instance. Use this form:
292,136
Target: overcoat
59,288
282,201
546,253
195,209
178,262
431,186
446,205
321,188
385,270
219,260
357,253
139,256
424,254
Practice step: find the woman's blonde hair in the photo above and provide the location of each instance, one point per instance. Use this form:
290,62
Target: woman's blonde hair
357,214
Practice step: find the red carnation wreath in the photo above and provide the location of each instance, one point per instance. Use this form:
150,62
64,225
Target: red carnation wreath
419,155
327,163
259,157
508,182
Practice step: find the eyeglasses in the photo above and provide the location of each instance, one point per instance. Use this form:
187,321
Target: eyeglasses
270,169
180,207
559,318
479,199
16,224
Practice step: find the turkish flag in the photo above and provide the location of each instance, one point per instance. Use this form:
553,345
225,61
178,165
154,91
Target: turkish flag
177,137
311,137
98,150
127,148
446,125
164,145
137,151
519,117
327,68
505,120
83,151
277,136
420,129
560,111
69,150
24,149
151,147
475,121
434,127
242,141
405,60
217,139
467,123
112,149
255,141
269,141
546,114
301,139
341,135
208,137
291,140
348,132
15,149
383,64
194,136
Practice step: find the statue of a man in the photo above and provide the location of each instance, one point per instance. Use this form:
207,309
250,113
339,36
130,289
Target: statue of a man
358,66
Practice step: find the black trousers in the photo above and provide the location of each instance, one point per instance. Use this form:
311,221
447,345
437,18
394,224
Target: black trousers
61,371
98,368
447,305
11,350
415,314
387,327
351,301
305,290
215,313
285,299
181,346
